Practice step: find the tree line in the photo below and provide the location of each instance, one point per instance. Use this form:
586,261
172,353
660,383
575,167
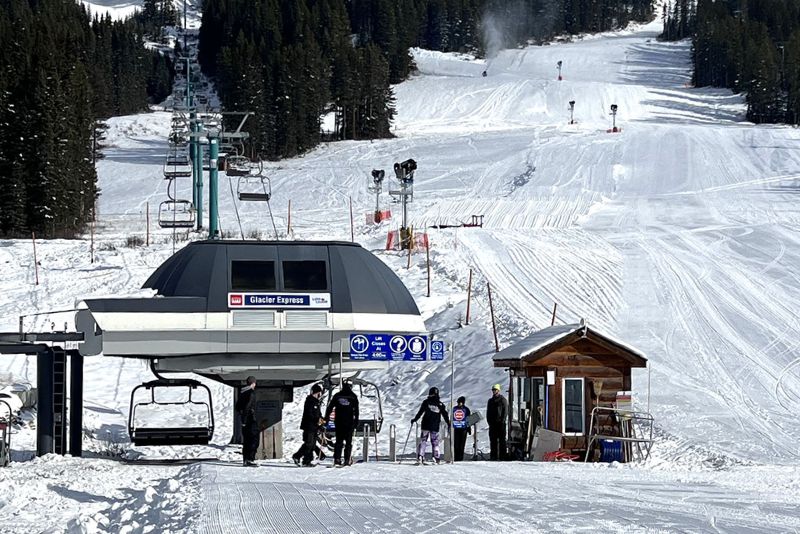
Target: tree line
751,47
293,61
61,72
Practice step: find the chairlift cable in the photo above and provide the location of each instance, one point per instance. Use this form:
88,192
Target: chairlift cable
269,207
174,215
235,207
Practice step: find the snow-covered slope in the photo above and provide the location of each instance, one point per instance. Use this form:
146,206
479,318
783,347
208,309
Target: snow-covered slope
679,235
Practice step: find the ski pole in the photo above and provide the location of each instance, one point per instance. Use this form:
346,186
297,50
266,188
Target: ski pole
410,428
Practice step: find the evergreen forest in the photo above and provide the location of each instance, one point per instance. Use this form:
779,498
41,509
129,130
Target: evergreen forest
749,46
61,72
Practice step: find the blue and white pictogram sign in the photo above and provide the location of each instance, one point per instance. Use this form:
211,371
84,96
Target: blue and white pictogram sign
279,300
381,347
437,350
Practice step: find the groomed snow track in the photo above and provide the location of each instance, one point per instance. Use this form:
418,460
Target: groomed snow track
483,497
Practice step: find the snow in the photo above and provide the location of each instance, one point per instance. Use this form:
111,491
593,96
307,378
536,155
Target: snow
678,236
486,497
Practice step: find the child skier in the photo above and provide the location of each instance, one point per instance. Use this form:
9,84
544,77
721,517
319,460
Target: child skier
431,411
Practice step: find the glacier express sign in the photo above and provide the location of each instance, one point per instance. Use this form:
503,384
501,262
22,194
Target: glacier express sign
391,347
279,300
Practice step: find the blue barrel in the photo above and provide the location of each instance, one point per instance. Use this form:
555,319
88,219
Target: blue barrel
611,451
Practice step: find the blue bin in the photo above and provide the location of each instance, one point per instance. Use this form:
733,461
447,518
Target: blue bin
610,451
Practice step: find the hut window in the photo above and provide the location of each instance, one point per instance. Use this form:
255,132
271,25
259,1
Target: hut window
574,412
253,276
305,275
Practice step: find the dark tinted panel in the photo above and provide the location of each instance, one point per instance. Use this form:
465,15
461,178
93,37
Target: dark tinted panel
305,275
253,275
573,405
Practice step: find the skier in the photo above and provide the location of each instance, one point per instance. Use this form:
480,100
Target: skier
246,406
497,417
310,426
431,411
345,402
484,74
460,428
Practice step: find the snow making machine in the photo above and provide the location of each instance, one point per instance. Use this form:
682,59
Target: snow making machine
282,311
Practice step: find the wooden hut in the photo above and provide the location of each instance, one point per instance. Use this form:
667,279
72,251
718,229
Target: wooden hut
558,376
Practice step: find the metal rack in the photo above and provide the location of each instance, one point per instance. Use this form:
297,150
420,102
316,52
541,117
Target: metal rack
635,432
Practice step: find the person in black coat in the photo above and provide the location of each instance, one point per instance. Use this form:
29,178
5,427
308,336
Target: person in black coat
497,417
310,427
432,411
246,406
345,402
461,428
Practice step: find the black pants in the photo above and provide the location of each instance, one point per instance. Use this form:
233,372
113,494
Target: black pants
497,441
344,438
459,441
306,450
249,441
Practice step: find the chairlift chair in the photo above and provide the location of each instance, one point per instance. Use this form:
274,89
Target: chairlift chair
178,158
176,214
177,171
177,435
375,423
237,165
254,188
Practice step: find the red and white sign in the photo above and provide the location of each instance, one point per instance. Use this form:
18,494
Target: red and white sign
235,300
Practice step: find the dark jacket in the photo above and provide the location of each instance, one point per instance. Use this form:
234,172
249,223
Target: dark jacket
346,404
311,414
497,410
246,405
432,411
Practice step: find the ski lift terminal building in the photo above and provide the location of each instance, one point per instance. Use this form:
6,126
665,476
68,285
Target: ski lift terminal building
282,311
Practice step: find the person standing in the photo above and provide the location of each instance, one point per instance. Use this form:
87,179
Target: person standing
432,411
246,406
310,427
461,428
497,417
345,402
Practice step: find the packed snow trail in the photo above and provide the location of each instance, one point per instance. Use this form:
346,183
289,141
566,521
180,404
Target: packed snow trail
483,497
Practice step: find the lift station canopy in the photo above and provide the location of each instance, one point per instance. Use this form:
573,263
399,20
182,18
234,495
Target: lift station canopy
279,310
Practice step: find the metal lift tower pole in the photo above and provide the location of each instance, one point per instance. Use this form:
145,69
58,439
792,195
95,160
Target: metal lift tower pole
188,83
193,157
184,27
198,147
213,205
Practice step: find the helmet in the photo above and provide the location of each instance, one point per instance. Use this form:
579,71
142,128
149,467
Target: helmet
433,392
497,387
462,400
316,388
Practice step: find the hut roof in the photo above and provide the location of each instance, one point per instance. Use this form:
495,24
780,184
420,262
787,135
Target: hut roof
553,338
